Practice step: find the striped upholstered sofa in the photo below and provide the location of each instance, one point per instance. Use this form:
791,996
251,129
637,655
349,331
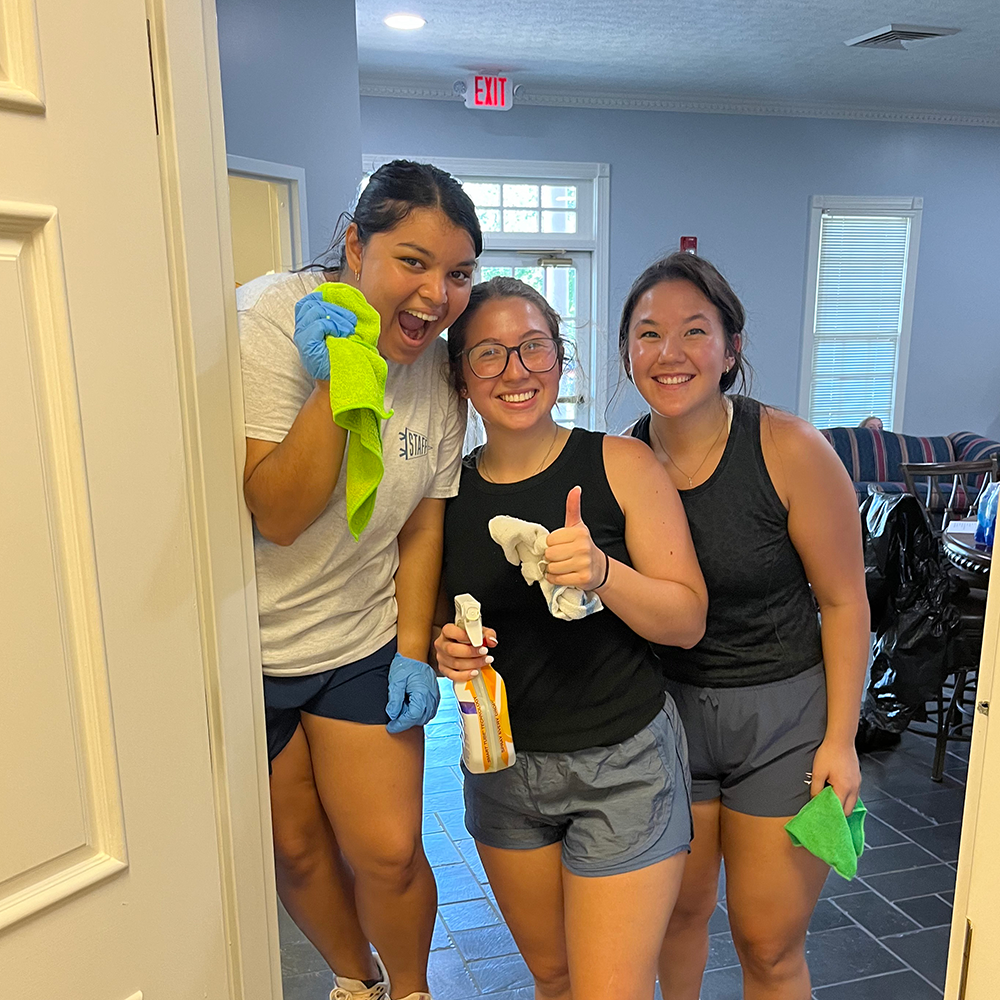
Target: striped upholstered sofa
873,457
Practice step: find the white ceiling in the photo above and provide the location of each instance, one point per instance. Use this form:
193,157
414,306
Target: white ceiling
758,56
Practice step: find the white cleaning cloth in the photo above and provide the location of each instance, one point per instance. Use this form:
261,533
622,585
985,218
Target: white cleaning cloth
523,542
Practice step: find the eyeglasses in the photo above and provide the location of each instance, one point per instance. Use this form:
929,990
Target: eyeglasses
491,360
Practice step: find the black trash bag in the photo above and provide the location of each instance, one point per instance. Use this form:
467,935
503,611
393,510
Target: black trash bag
912,594
878,538
870,738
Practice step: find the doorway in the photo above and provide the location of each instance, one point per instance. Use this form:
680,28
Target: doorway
197,360
267,211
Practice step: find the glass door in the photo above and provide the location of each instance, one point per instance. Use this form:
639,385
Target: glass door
565,281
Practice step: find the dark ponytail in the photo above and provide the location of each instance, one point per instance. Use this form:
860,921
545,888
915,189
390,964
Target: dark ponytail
392,192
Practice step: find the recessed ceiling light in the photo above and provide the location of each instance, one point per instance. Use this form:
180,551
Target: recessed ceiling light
405,22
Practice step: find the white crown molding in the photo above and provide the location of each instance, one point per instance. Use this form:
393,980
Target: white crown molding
374,87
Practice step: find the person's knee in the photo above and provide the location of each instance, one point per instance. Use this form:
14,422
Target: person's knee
551,981
300,849
392,861
768,958
693,910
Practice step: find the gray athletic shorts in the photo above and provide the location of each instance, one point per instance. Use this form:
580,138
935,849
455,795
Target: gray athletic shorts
753,747
616,809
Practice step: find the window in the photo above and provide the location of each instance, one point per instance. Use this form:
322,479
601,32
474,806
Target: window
862,269
546,223
524,208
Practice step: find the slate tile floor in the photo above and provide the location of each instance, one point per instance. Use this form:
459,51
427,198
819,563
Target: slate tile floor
881,937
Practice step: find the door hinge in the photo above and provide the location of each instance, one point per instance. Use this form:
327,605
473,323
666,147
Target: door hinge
983,708
152,74
963,981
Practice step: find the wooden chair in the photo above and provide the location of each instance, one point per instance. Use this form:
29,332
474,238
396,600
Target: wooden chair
951,711
961,499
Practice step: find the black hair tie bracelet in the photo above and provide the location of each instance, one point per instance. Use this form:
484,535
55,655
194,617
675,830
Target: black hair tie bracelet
607,570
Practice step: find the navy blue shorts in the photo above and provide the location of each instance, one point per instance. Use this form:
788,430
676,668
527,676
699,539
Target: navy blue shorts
355,692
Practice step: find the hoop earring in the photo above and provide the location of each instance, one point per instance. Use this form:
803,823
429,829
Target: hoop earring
357,274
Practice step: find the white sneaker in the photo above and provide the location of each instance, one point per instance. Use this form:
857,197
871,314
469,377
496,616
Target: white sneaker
354,989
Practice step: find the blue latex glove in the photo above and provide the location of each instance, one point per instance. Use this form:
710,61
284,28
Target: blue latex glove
315,320
413,694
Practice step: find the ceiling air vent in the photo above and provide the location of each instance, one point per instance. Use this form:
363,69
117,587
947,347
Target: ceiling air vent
899,36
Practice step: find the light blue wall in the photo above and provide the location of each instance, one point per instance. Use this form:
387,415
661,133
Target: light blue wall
290,95
742,185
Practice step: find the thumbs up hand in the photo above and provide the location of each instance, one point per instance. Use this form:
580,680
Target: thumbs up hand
573,558
573,500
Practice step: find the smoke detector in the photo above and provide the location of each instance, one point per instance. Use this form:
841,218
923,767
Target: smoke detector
899,36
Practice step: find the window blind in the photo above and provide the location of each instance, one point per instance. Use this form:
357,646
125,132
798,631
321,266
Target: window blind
859,317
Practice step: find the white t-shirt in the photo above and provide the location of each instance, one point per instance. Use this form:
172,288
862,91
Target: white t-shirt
327,600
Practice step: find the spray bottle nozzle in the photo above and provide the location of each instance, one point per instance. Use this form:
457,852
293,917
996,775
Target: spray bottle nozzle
468,615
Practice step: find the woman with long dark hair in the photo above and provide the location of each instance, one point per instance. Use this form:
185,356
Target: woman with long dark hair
346,624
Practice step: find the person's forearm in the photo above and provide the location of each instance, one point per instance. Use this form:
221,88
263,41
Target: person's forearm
662,611
292,485
845,637
417,580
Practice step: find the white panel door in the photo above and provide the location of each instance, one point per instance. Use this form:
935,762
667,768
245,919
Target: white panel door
974,958
109,856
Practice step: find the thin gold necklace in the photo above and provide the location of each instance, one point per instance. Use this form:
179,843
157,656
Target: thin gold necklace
711,448
481,463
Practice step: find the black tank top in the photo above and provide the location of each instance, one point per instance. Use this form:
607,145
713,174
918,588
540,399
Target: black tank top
570,685
762,620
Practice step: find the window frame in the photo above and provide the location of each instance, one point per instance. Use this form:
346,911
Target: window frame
860,205
596,177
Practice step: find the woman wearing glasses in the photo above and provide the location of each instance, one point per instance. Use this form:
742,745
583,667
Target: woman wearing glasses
586,835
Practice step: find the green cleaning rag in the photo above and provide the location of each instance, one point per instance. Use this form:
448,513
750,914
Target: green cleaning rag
822,829
357,399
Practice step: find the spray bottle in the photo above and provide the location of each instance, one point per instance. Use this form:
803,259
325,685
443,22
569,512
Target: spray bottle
486,740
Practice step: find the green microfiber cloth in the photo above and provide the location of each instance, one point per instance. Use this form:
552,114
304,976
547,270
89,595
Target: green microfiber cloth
357,399
822,829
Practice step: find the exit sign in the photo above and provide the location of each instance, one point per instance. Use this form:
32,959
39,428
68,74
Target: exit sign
489,93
